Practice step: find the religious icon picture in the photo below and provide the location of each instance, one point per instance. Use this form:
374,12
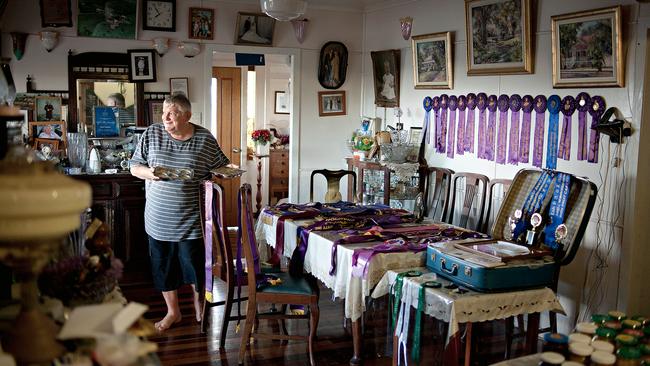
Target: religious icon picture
253,28
201,23
333,64
142,65
385,66
48,108
331,103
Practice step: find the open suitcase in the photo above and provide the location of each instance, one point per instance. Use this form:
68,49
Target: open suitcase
455,264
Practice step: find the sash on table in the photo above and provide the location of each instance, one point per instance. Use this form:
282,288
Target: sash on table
491,127
481,104
502,133
469,125
426,125
460,131
596,110
553,106
557,209
453,105
513,143
524,139
444,105
583,101
568,107
436,121
538,141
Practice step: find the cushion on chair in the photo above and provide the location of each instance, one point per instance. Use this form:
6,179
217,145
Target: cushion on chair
290,285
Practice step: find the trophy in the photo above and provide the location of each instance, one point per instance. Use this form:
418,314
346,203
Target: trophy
512,224
535,222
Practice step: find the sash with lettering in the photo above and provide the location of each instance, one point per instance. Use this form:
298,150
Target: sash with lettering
538,140
444,105
502,133
533,202
436,121
568,107
524,139
460,131
557,209
469,125
583,101
597,108
491,127
481,104
513,142
553,106
451,132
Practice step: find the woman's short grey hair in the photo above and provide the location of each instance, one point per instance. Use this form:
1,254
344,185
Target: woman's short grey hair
180,100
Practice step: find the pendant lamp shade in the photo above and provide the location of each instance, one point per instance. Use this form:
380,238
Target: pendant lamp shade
283,10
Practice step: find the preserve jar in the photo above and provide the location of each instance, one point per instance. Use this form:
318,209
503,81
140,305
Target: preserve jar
600,358
626,340
580,352
551,358
605,334
587,328
580,338
602,346
616,315
556,342
631,324
628,356
599,319
571,363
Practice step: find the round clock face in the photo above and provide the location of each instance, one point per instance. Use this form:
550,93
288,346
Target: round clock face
160,14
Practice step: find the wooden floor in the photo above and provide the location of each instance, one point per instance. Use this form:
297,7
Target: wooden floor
184,344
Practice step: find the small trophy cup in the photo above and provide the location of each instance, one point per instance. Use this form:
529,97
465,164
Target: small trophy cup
535,222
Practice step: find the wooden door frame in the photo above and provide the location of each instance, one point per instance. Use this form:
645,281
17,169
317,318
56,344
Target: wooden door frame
294,125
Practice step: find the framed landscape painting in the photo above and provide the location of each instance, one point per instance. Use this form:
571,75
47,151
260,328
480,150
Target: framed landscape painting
432,64
498,37
588,49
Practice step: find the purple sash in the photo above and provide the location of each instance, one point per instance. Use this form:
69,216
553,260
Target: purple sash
583,100
513,142
596,110
524,139
444,105
453,105
460,132
469,124
568,107
210,222
538,140
481,104
502,133
491,127
436,122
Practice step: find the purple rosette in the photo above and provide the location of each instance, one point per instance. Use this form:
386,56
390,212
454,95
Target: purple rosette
471,100
567,107
444,108
460,130
481,101
490,132
596,109
583,102
502,132
481,104
451,132
462,102
503,103
539,105
524,137
436,121
427,103
513,142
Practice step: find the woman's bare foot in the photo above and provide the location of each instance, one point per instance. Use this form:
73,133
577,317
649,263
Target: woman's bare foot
198,311
167,322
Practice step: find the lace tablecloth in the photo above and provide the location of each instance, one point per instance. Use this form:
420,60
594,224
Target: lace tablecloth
453,307
317,262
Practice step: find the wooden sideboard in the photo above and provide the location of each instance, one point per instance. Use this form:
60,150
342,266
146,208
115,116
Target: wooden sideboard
279,175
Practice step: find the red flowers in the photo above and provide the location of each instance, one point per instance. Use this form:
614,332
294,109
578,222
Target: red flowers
261,136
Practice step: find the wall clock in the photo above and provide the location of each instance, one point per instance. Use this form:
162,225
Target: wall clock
159,15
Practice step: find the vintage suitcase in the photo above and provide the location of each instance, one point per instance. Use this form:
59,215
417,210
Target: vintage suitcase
467,270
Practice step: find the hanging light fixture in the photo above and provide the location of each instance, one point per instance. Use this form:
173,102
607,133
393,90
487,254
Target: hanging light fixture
284,10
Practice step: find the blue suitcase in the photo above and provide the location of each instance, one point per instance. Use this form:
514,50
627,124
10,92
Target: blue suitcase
463,269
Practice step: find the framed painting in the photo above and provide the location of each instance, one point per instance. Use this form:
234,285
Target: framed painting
385,70
142,65
331,103
332,65
432,64
179,85
415,135
253,28
56,13
201,23
48,108
154,111
281,103
588,49
107,18
52,144
53,130
498,37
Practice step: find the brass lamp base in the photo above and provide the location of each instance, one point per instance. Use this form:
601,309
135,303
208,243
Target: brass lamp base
32,339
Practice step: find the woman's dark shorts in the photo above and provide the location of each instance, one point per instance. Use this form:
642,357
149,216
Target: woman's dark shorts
176,263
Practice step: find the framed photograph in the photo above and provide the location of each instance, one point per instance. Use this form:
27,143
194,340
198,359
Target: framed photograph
588,49
332,65
331,103
159,15
53,144
53,130
415,135
253,28
179,85
498,37
142,65
48,108
154,111
385,68
201,23
281,103
433,67
56,13
107,18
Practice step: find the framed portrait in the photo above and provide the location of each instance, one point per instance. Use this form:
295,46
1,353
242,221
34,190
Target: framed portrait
56,13
154,111
253,28
432,64
179,85
142,65
385,69
52,143
415,135
281,103
498,37
53,130
107,18
588,49
332,65
331,103
47,108
201,23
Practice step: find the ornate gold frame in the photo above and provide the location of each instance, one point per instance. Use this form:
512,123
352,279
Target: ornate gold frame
431,37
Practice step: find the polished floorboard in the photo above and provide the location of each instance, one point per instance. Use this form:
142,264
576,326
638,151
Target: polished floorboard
184,344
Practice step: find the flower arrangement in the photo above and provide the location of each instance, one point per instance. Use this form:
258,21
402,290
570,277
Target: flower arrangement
261,137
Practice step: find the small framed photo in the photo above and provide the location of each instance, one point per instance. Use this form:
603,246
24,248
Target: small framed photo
385,69
142,65
587,49
432,59
179,85
331,103
53,130
48,109
201,23
281,103
154,111
53,144
415,135
253,28
56,13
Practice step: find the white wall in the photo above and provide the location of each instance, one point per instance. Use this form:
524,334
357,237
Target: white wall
382,31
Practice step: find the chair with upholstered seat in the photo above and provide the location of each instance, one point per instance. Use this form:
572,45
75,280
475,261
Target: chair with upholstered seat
437,188
289,290
466,188
333,178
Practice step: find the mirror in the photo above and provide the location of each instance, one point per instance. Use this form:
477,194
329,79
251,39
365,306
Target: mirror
93,95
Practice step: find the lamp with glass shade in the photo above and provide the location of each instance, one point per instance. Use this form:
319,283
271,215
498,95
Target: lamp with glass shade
283,10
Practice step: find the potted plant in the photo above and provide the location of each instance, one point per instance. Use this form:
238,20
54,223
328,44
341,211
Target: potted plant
262,139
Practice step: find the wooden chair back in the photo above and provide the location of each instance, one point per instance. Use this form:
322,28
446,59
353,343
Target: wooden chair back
470,186
496,192
333,178
437,188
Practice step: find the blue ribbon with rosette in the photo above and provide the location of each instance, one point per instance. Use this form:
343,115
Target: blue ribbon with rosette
524,137
583,102
460,131
502,134
553,106
513,141
451,131
567,108
538,141
427,103
596,110
481,104
469,125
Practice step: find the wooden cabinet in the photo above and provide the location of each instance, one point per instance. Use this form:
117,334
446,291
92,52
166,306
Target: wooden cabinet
279,175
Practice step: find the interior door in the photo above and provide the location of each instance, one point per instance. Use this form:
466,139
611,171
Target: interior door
228,102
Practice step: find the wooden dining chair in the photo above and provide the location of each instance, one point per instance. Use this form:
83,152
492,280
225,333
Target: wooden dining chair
437,189
468,186
333,178
289,290
496,192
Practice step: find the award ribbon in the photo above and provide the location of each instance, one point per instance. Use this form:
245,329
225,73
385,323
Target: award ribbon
417,329
583,101
568,107
453,105
524,139
533,201
502,134
557,209
436,121
538,142
427,103
491,127
444,105
513,142
469,125
596,110
553,106
481,104
460,131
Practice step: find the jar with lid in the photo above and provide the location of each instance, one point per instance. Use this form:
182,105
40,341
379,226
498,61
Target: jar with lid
626,340
580,338
636,333
580,352
556,342
616,315
551,358
628,356
642,319
631,324
605,334
599,319
602,346
646,334
613,324
587,328
645,353
600,358
571,363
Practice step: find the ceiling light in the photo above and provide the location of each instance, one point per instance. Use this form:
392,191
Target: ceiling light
283,10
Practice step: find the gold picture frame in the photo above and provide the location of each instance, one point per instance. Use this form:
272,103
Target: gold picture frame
331,103
498,45
587,49
432,61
